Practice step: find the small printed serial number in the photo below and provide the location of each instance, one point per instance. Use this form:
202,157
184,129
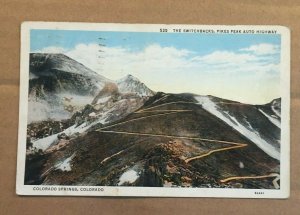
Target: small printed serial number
259,193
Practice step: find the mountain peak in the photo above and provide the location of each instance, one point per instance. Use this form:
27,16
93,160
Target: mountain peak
63,75
41,55
45,62
127,78
131,84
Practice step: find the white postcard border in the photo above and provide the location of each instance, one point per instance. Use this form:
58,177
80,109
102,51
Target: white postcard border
22,189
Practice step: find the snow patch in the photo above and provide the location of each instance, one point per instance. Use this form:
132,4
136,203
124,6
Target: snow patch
129,176
130,84
32,76
66,164
45,142
241,165
271,119
253,136
103,100
93,114
275,111
128,78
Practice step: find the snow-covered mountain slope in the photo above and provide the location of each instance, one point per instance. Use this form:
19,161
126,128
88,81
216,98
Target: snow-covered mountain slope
107,106
93,115
59,85
42,64
272,119
130,84
60,88
249,120
56,73
120,98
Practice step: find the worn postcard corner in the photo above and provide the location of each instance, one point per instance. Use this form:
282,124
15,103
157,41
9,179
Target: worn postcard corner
154,110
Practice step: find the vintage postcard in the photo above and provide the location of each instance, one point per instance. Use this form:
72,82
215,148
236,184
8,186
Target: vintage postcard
154,110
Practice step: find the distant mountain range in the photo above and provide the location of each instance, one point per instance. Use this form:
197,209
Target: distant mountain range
85,129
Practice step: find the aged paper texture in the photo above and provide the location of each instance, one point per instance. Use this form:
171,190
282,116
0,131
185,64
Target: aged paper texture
154,110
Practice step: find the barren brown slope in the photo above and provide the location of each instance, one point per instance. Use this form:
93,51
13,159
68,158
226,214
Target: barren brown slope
157,147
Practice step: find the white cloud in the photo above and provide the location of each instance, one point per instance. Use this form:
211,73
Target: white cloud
263,49
155,51
220,57
86,54
52,49
116,62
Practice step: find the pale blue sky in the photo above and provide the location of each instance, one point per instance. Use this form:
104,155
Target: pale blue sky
200,43
242,67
